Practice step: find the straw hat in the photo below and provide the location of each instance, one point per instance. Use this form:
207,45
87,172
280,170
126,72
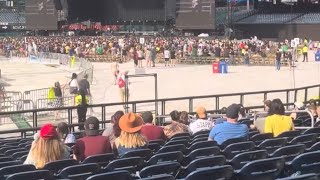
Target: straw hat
130,123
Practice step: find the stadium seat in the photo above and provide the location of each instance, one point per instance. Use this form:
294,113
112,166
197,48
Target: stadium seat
258,138
305,163
178,147
9,163
200,136
171,168
199,139
175,142
6,159
201,144
315,130
289,134
289,152
81,171
154,147
311,176
243,158
314,147
187,138
6,148
176,156
307,139
158,141
211,173
160,177
19,154
144,153
201,163
100,159
233,149
56,166
12,151
8,170
203,152
179,135
232,141
12,144
204,132
261,169
132,164
117,175
23,158
32,175
272,144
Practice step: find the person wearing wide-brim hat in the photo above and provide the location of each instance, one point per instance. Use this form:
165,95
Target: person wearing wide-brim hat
130,137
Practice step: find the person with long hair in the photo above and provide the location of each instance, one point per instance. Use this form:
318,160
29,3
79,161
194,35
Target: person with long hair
130,138
82,102
184,118
113,131
58,99
277,122
176,126
65,136
47,148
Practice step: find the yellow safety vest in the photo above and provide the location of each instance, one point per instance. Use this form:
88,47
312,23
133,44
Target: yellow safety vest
51,94
305,49
78,100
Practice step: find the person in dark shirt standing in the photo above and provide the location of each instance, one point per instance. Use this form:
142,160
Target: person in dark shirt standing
92,143
278,60
84,85
150,131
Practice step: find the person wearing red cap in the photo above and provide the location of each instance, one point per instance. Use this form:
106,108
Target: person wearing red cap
48,147
130,137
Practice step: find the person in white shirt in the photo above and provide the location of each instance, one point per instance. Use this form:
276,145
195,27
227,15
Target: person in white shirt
166,55
202,123
73,84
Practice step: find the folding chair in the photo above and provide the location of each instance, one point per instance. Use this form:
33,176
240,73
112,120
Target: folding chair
118,175
261,169
242,159
171,168
211,173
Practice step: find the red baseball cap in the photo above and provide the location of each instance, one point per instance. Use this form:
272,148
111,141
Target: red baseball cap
48,131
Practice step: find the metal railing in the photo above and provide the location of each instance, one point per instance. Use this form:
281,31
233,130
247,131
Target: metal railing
162,108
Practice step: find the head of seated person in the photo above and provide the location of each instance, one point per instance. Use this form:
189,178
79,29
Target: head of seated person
202,122
149,130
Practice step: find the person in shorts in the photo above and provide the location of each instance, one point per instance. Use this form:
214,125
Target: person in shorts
166,55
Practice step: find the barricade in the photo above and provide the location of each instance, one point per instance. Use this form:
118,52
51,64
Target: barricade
16,105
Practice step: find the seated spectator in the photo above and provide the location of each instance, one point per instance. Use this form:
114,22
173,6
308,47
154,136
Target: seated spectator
229,129
202,123
175,127
260,121
150,131
46,148
298,106
130,137
277,123
184,118
64,134
113,131
92,143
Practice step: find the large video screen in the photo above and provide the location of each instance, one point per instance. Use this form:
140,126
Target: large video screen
41,15
195,14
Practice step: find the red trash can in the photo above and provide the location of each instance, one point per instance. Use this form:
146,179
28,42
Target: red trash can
215,67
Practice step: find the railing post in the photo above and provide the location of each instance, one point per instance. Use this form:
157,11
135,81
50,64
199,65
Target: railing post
134,107
190,105
163,107
265,96
217,103
295,95
287,98
103,115
305,94
241,99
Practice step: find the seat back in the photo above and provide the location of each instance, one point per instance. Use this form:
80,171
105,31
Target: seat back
306,139
236,148
176,156
174,142
5,171
314,147
179,135
211,173
171,168
315,130
201,152
32,175
187,138
204,132
79,171
160,177
170,148
100,159
232,141
9,163
199,139
202,144
258,138
243,158
289,134
272,144
289,152
144,153
118,175
202,163
262,169
12,151
158,141
306,163
5,159
310,176
131,164
19,154
154,147
56,166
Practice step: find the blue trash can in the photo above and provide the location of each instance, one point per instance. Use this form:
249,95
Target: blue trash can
317,57
223,67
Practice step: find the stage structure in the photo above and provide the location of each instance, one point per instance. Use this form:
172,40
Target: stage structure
134,107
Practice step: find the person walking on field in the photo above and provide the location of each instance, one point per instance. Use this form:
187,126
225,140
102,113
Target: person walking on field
82,102
305,53
115,71
121,81
166,55
278,59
